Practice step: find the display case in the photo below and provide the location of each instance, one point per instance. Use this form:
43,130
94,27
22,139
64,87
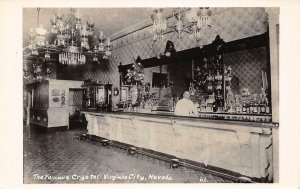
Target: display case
97,96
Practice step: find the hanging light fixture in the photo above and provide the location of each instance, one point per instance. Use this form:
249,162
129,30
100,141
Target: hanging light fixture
190,21
47,54
68,35
159,24
48,72
178,15
26,72
202,19
37,72
71,41
32,44
104,46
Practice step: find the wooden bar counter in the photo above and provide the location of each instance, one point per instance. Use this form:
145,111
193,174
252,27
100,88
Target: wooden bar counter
235,146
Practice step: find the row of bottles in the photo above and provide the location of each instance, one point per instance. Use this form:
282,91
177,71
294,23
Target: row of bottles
247,103
256,107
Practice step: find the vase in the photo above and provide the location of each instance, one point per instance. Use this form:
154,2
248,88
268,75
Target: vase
134,94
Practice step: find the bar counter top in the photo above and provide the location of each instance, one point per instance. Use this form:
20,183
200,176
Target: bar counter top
210,117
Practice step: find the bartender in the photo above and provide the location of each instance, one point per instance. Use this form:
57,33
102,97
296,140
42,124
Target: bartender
185,107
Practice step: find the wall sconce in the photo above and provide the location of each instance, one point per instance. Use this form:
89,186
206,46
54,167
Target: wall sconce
26,72
170,50
48,72
37,72
116,91
47,55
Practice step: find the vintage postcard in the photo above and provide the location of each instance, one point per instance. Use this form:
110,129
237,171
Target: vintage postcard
118,93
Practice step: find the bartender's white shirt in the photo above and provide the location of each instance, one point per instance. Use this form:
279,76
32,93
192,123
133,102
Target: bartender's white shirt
185,107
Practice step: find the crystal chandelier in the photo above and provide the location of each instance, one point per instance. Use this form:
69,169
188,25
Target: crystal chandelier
189,20
69,33
104,47
199,18
37,73
72,40
159,24
36,39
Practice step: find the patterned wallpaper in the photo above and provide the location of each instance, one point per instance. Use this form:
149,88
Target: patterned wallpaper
75,100
246,66
229,23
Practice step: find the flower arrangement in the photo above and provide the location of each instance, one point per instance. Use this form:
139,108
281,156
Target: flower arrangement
135,75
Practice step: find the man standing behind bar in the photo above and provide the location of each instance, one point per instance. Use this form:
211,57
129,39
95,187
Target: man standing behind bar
185,107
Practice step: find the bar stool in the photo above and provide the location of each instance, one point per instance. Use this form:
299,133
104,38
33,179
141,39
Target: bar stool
174,163
131,151
83,137
104,142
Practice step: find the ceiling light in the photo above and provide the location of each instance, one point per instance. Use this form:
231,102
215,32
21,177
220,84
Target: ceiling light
71,39
190,21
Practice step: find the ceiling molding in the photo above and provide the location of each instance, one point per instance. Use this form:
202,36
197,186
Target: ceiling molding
136,27
131,29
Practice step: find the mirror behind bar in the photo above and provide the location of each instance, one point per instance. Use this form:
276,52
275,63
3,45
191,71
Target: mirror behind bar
252,51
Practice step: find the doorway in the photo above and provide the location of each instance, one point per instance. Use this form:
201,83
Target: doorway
76,119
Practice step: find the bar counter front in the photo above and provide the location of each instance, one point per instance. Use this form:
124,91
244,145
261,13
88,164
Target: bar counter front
241,148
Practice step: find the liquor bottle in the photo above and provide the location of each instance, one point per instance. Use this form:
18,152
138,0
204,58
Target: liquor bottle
248,107
237,108
251,107
129,107
221,107
244,109
215,107
258,107
262,107
255,106
241,107
267,107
